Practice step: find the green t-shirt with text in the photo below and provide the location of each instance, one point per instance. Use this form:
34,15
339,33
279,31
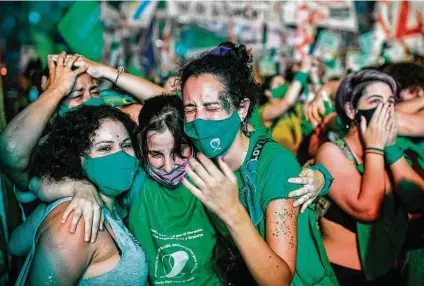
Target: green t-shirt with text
174,229
276,166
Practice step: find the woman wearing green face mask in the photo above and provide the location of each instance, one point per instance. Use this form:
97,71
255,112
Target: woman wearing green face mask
242,176
96,144
165,217
365,221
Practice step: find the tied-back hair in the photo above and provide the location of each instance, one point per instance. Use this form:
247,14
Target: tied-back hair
353,87
161,113
233,69
71,138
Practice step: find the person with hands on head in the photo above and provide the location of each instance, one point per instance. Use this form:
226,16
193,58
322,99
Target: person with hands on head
364,223
68,87
97,144
242,177
140,88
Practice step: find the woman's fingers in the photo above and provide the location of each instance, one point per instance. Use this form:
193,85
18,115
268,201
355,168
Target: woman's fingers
209,166
299,192
306,204
61,61
301,180
227,171
195,191
376,114
69,61
200,170
194,177
96,222
88,217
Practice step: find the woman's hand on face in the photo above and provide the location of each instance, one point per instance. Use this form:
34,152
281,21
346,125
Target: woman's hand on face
215,187
376,134
87,203
313,181
392,126
61,75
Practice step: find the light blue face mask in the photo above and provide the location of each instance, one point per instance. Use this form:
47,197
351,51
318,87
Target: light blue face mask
93,101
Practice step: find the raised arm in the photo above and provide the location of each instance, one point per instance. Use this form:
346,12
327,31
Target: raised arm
140,88
362,197
411,125
18,140
411,106
278,107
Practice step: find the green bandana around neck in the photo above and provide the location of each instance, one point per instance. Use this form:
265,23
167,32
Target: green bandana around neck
93,101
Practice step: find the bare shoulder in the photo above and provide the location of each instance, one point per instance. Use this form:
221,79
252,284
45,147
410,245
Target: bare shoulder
57,234
329,152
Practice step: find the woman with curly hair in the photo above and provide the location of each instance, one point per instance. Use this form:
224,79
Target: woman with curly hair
365,222
96,144
242,176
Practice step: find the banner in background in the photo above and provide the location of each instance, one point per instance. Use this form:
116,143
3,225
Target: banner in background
401,21
327,45
243,12
332,14
139,14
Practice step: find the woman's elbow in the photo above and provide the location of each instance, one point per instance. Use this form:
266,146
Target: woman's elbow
370,215
9,156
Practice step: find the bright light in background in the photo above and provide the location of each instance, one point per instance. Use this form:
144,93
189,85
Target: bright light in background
34,17
3,71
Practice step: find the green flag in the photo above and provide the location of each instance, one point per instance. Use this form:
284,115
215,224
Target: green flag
82,30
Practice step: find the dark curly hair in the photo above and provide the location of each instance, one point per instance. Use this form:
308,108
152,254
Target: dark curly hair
161,113
353,87
407,75
71,137
234,70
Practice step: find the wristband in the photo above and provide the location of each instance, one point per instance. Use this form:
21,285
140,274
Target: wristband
120,71
301,77
372,150
328,179
392,154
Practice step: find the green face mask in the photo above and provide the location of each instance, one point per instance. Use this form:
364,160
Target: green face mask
93,101
279,92
113,174
367,113
213,137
